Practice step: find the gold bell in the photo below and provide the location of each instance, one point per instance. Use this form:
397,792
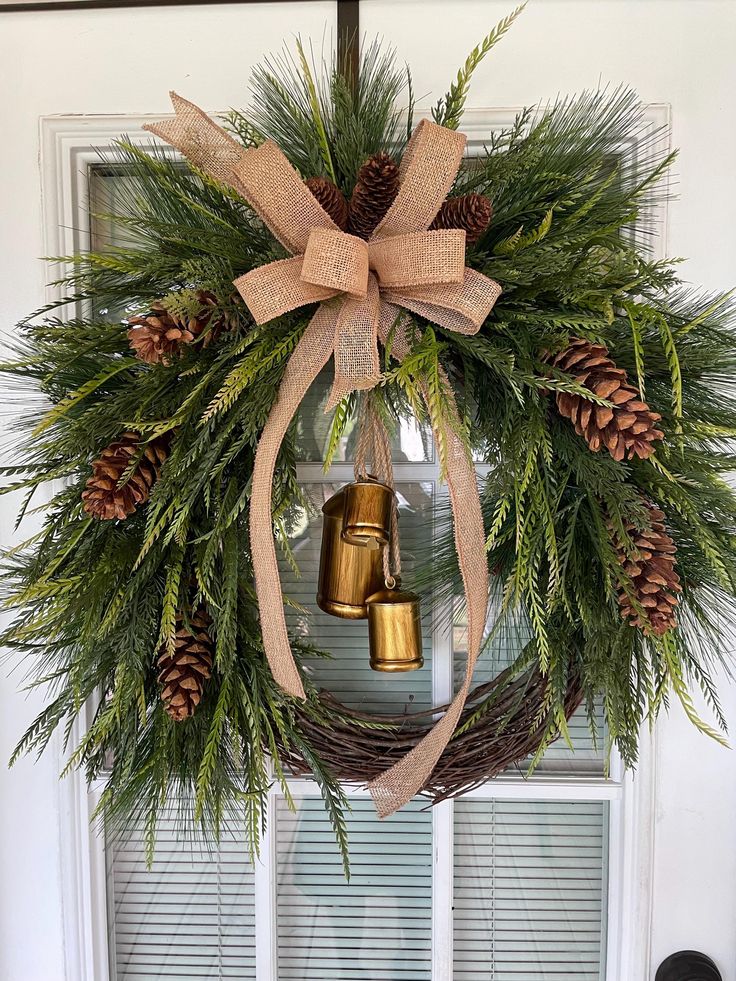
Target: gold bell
394,631
367,514
348,574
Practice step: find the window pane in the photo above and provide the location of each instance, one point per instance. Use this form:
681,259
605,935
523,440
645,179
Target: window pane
411,443
190,917
348,674
530,880
106,185
376,927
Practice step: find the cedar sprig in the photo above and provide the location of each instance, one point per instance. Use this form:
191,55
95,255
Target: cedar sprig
449,110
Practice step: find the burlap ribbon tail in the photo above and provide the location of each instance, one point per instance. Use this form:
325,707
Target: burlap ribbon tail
363,289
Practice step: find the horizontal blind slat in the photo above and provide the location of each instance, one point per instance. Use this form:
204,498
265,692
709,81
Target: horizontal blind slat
528,890
191,916
378,925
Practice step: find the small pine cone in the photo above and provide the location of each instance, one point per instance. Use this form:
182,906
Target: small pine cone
182,674
373,195
158,336
103,498
471,212
331,198
654,579
628,428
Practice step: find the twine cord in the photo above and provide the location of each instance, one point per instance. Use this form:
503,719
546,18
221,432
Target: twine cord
374,444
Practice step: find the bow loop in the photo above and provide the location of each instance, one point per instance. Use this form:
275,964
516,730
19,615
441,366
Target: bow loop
428,169
419,258
272,290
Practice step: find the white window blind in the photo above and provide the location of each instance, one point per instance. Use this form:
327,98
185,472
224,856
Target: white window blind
377,926
192,916
529,891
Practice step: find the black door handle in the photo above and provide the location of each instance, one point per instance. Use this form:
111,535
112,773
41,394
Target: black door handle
688,965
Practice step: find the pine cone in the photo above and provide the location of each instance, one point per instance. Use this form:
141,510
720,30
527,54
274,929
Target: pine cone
331,198
158,336
626,430
471,212
103,498
182,674
654,579
373,195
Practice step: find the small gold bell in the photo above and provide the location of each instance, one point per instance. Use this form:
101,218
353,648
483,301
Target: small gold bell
367,514
394,631
347,573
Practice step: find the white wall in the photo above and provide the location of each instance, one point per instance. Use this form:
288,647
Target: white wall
674,51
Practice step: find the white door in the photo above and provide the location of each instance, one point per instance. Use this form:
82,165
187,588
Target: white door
654,879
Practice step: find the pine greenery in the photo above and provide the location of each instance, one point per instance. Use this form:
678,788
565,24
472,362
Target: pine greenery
93,601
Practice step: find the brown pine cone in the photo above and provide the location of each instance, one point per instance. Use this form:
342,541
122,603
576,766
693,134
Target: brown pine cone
628,428
182,674
158,336
471,212
654,579
103,498
373,195
331,198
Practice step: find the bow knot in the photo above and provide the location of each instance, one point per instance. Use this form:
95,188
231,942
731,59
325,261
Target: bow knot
403,264
337,261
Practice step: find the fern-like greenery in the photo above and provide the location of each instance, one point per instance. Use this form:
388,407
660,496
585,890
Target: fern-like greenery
92,601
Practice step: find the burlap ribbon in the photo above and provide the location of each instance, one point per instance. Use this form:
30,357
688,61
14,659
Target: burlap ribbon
361,288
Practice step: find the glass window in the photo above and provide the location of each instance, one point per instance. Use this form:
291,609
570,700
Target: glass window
191,915
530,885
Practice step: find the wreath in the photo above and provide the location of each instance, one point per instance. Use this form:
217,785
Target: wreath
502,300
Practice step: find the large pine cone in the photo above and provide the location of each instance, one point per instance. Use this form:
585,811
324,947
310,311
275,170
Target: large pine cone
182,674
628,428
158,336
374,193
103,498
471,212
651,568
331,198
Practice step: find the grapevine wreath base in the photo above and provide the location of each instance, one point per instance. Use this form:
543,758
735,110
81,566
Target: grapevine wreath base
503,301
500,728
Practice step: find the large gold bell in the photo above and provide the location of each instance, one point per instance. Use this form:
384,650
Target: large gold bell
367,514
394,631
348,574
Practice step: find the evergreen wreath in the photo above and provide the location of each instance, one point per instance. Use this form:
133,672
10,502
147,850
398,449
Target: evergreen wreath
600,390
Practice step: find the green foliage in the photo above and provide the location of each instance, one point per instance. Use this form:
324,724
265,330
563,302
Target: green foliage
327,123
561,245
92,601
449,110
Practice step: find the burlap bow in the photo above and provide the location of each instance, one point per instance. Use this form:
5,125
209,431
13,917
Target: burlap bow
361,288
